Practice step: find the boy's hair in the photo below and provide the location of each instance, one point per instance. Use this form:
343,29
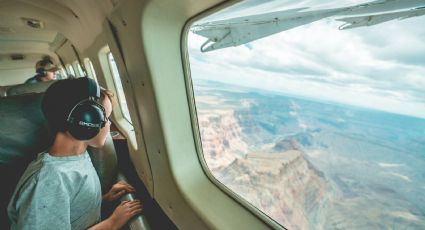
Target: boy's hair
107,93
62,96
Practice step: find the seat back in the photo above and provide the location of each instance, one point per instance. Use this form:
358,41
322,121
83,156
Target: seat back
105,162
20,89
24,133
23,129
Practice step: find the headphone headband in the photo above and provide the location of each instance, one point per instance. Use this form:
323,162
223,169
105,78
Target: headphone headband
93,88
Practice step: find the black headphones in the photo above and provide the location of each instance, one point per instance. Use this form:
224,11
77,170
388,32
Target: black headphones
88,116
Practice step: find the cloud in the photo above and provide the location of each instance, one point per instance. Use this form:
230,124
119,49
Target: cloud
381,66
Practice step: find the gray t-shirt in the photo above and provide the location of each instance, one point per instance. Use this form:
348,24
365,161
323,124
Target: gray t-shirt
57,193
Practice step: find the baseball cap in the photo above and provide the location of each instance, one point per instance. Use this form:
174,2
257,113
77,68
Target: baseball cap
46,65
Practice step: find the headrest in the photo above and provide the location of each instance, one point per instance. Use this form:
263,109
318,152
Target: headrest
24,130
20,89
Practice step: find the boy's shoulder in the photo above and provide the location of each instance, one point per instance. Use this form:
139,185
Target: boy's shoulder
46,174
48,169
32,172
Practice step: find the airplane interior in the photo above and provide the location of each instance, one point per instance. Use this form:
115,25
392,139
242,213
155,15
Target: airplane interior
190,127
144,39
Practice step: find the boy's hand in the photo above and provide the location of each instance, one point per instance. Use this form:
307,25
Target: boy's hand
124,212
117,191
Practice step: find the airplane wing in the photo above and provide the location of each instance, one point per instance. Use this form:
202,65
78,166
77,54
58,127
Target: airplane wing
241,30
369,20
238,31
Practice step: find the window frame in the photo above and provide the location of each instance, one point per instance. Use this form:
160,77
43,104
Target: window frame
118,95
120,121
195,124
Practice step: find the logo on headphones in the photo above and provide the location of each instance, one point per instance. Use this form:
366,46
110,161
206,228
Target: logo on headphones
88,124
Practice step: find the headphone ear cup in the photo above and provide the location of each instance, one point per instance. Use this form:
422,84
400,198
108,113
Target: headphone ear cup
41,71
86,120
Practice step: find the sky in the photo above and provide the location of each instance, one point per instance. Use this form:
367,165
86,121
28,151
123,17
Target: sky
380,67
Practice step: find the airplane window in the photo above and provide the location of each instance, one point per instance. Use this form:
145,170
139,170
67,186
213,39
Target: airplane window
313,112
61,73
70,69
80,70
90,69
120,89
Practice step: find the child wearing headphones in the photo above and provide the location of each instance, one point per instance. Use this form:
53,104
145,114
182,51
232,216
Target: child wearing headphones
61,189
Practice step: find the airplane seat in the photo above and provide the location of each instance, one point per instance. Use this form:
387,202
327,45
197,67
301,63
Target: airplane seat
20,89
105,162
24,133
3,90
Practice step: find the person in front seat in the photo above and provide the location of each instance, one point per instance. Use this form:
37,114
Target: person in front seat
61,189
45,71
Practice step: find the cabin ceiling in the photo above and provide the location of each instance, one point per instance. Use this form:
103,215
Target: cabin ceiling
79,21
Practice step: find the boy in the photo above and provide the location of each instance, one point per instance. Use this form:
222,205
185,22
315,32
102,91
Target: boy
45,71
61,189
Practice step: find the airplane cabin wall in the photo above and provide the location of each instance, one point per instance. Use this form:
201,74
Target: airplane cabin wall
134,133
66,53
150,34
78,21
96,52
92,52
152,51
127,21
15,76
14,72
